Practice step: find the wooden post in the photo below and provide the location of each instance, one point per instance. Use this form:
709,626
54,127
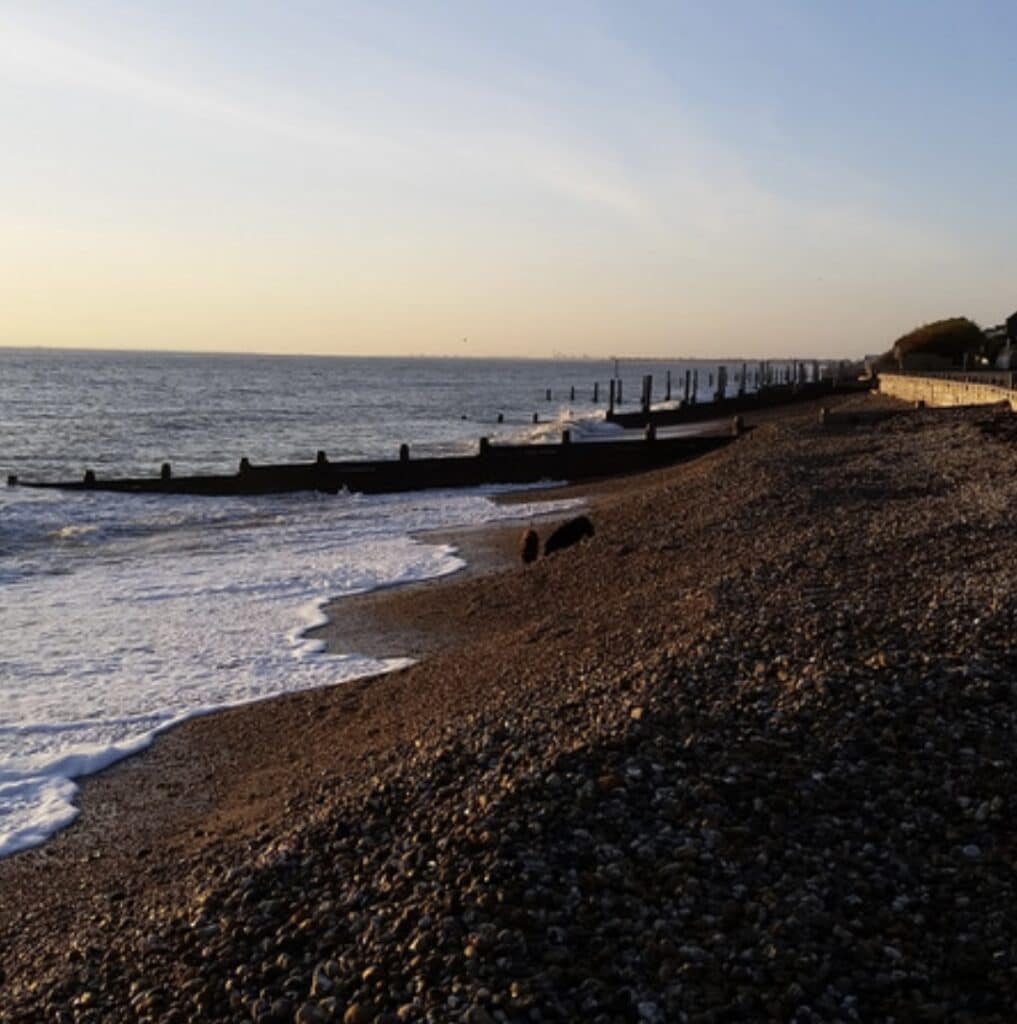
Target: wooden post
321,459
745,373
536,418
404,453
484,447
596,392
650,434
647,392
501,417
572,393
688,385
824,415
695,386
667,395
245,465
737,425
166,471
89,477
566,437
12,480
547,394
619,395
611,389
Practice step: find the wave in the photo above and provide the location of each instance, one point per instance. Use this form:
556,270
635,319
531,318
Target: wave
182,608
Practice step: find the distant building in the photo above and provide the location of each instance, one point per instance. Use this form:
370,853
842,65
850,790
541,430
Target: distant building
1001,340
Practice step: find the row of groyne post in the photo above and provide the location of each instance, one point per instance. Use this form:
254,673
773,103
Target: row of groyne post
720,382
685,389
490,464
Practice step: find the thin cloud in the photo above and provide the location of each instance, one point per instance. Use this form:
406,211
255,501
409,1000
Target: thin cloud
38,58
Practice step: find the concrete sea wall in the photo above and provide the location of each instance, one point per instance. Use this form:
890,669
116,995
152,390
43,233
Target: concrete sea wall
940,391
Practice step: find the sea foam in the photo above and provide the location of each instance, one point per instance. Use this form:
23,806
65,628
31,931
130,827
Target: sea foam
128,614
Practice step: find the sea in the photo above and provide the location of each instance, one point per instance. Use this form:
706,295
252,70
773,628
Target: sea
123,615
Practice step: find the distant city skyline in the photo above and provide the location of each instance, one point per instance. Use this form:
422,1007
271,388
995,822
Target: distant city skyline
584,179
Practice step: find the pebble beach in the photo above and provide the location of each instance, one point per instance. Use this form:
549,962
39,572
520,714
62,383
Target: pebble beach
746,754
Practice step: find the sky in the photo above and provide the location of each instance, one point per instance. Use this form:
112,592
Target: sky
758,178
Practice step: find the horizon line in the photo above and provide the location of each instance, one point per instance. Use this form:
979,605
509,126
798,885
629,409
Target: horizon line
556,358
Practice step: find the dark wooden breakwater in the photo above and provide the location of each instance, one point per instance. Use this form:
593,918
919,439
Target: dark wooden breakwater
726,406
492,464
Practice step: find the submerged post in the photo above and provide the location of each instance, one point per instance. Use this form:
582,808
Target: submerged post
536,418
404,453
572,393
166,471
547,394
89,477
12,480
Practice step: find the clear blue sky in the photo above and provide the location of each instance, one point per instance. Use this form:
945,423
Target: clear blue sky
652,178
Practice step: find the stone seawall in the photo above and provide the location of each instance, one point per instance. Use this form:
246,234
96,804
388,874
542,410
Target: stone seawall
938,391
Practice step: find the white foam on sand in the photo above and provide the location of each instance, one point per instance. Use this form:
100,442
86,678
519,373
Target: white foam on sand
161,609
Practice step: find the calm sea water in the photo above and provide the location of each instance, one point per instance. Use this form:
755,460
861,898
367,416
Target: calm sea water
121,615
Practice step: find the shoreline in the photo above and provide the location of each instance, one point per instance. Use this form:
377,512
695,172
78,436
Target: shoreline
104,796
597,692
365,623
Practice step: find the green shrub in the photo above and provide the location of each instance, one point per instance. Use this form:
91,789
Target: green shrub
950,339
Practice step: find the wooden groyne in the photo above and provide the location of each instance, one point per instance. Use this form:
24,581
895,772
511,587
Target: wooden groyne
505,463
726,406
492,464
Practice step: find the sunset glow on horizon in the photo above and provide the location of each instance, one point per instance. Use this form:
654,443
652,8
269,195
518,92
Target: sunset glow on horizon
578,178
